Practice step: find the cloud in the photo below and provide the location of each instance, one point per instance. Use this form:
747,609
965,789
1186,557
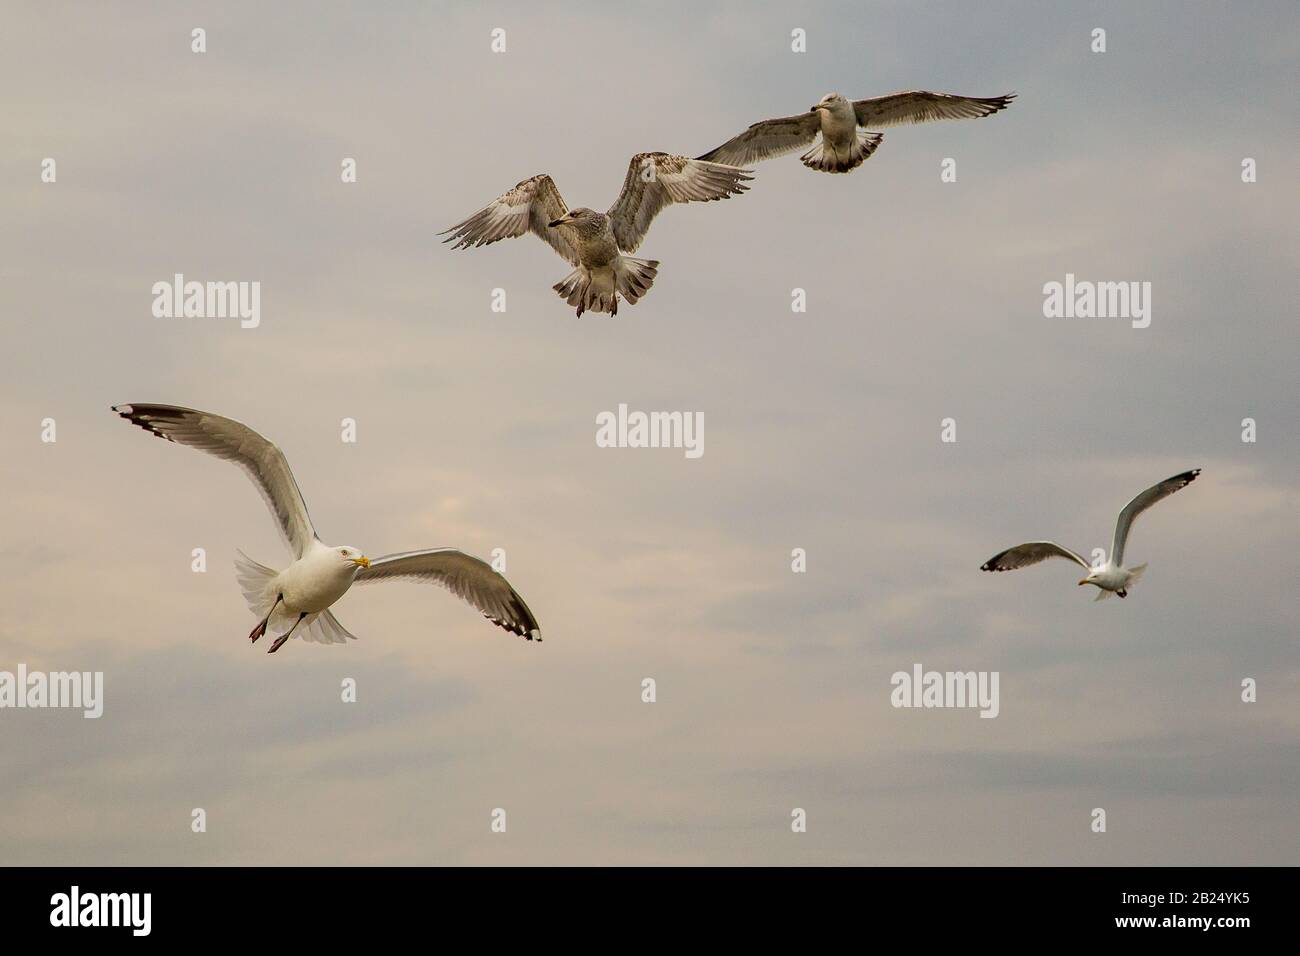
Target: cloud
476,429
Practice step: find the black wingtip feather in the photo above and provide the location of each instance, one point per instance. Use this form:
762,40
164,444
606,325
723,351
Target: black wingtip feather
992,563
139,415
997,104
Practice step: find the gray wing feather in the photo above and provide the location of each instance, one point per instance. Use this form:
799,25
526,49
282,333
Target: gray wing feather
1023,555
527,208
236,442
467,577
1141,503
767,139
656,180
922,106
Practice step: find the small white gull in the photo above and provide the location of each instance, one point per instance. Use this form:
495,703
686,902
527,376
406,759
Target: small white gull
1112,577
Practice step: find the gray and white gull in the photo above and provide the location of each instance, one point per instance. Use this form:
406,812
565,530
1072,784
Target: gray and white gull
297,599
1111,577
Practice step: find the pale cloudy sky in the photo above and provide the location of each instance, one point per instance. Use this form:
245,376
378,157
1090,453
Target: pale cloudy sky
476,430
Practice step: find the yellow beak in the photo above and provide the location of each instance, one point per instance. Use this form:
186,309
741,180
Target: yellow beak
1084,581
361,562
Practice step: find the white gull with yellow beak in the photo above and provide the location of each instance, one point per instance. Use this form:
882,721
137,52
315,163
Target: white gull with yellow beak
298,599
1111,577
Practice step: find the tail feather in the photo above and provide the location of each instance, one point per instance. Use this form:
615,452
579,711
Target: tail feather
634,277
824,157
599,291
587,293
255,583
324,628
1102,594
1135,575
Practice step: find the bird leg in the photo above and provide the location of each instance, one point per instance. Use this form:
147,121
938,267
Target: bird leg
285,636
258,631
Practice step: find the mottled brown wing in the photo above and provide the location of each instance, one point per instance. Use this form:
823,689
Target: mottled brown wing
656,180
527,208
767,140
922,106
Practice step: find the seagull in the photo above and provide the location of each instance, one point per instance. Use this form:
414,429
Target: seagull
843,123
595,243
303,593
1111,577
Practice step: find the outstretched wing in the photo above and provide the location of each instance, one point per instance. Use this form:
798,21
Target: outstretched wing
1023,555
767,139
527,208
655,180
234,441
1141,503
922,106
466,577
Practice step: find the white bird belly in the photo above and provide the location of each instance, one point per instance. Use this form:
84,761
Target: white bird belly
307,588
839,131
1113,579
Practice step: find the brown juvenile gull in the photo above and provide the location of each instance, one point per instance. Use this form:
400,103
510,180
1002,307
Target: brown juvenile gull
843,126
1111,577
595,243
319,575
